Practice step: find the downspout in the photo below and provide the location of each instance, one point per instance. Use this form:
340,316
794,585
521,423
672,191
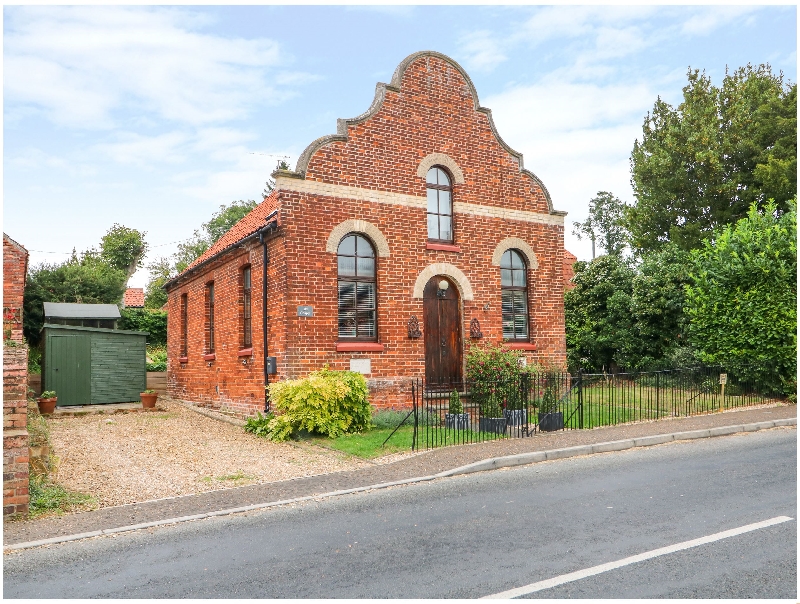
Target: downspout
262,237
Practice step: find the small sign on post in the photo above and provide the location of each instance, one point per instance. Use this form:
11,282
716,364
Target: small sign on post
723,379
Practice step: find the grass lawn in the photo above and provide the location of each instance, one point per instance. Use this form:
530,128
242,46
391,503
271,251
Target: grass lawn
367,445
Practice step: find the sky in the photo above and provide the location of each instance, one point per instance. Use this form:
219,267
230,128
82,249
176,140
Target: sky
152,117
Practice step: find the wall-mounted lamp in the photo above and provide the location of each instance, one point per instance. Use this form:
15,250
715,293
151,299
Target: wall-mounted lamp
443,285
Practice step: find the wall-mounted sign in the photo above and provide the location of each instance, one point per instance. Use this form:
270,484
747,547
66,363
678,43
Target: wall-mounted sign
723,378
305,311
361,366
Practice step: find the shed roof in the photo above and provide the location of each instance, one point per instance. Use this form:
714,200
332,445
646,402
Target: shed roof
63,310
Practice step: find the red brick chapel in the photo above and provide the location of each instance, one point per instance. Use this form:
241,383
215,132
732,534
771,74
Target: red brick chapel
394,245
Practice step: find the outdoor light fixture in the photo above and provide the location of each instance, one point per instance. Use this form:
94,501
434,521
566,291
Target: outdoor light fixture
443,285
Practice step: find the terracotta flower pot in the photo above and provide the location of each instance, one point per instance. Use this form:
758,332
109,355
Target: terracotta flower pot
47,405
149,400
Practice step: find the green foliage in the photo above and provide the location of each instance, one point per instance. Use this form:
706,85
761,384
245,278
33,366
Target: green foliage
156,358
455,406
742,300
85,280
123,249
38,429
48,394
160,272
326,402
390,419
146,319
259,425
605,224
548,402
493,373
597,313
702,165
369,445
34,360
47,496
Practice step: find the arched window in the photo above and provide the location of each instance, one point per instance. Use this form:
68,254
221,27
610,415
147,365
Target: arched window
357,299
440,206
514,285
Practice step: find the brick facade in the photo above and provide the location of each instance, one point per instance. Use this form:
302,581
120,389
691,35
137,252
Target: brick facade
569,271
15,381
370,178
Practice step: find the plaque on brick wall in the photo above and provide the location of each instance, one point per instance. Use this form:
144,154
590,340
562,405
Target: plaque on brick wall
305,311
361,366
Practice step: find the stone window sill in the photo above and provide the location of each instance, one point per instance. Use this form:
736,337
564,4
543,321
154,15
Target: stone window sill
210,357
359,347
443,247
246,352
183,359
519,345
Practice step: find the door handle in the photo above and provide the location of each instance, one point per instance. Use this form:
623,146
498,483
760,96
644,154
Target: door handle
443,344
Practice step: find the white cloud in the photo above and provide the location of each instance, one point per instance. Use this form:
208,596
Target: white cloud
136,149
81,65
483,52
709,18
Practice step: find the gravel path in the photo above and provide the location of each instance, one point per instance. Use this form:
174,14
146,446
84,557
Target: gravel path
130,457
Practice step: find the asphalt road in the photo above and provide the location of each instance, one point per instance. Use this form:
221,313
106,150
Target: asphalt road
474,535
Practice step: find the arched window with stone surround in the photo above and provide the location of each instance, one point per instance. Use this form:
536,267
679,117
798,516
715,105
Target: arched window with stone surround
440,205
514,286
357,288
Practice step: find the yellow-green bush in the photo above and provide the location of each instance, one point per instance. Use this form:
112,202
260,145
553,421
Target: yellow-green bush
326,402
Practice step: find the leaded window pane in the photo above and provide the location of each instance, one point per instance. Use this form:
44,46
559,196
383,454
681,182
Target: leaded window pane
357,316
366,267
518,277
445,230
347,324
365,296
505,260
431,177
513,279
444,202
433,226
505,277
348,246
443,178
347,296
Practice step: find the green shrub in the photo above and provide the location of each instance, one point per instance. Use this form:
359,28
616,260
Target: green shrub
390,419
326,402
146,319
494,373
455,407
34,360
259,425
156,358
47,496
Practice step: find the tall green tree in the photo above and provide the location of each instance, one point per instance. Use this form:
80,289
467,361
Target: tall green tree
123,249
597,313
163,269
85,280
701,165
605,224
742,298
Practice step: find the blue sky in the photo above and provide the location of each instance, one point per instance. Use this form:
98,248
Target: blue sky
154,116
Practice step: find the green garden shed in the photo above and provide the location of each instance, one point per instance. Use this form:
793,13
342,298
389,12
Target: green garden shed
91,365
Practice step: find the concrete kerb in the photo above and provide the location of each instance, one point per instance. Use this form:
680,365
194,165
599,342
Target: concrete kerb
508,461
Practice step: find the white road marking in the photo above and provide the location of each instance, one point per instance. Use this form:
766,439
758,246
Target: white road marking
601,568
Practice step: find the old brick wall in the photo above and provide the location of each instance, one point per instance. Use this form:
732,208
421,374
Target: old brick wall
15,382
373,176
569,271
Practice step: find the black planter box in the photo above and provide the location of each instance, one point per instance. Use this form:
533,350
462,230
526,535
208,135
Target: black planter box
492,424
514,417
549,422
456,421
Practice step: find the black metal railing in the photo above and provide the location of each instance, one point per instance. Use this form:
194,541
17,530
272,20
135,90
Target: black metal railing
461,412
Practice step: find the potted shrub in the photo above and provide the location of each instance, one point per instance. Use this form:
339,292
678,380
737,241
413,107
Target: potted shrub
492,418
47,402
514,409
550,418
149,398
456,418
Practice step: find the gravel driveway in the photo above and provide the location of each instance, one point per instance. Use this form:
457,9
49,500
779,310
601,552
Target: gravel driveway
129,457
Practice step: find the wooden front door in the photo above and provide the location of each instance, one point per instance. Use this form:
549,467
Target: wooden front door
442,331
68,369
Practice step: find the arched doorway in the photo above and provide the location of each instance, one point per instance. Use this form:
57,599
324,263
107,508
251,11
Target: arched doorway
442,331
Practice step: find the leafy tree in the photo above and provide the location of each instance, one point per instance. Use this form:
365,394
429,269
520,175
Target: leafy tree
145,319
160,272
598,313
606,223
88,280
742,299
123,249
657,301
702,165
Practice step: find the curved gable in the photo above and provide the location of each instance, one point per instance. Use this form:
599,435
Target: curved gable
429,107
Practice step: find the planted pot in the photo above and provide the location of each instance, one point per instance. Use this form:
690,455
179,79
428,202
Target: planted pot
47,405
456,421
549,422
497,425
149,399
515,417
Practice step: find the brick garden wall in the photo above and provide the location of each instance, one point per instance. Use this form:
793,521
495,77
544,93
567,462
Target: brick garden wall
373,176
15,382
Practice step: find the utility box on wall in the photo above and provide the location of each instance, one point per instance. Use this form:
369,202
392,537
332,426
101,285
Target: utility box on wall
93,366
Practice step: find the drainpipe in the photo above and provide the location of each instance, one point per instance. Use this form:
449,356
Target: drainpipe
262,238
